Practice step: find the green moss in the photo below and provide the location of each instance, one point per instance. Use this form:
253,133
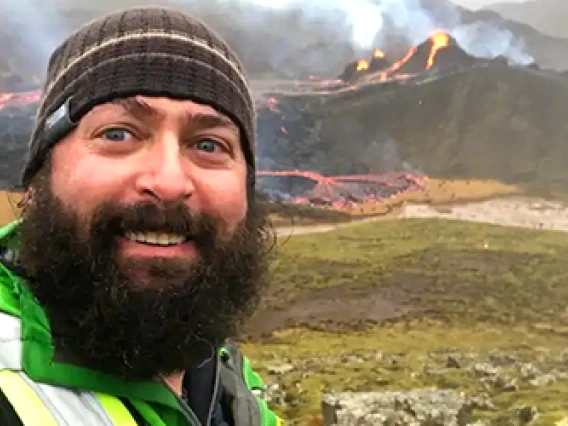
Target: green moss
475,289
452,269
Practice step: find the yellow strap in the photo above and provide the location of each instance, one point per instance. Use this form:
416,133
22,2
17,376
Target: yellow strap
30,408
115,409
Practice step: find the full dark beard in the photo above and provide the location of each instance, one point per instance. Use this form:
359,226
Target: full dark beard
103,318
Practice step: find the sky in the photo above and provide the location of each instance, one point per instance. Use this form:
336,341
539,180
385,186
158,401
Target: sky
476,4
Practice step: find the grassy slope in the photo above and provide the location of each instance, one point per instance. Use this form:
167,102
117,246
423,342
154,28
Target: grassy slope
430,258
465,296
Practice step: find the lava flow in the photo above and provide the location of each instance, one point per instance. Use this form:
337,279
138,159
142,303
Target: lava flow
362,65
418,59
439,41
337,192
23,98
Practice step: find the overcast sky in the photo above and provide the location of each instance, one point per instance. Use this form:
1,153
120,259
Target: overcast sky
476,4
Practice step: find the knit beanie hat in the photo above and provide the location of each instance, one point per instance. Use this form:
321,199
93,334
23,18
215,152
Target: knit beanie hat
148,51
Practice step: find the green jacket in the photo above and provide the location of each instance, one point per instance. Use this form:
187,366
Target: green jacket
153,401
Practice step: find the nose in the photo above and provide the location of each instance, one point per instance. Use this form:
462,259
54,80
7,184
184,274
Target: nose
165,177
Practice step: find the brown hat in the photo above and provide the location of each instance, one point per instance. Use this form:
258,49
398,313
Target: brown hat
139,51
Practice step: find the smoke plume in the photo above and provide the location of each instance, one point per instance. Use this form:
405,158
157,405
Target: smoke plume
275,38
373,22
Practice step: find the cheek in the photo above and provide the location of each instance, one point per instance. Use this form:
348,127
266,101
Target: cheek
83,184
225,198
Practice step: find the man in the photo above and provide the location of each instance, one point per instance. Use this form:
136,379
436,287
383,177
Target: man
141,248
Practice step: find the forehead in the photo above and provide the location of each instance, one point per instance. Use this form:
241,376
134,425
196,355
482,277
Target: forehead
159,108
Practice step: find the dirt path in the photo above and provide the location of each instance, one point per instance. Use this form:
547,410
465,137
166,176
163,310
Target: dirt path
522,212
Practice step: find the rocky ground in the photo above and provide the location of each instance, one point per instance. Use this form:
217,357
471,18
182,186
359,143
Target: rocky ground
445,386
495,373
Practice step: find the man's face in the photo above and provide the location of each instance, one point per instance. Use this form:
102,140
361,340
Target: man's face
142,240
158,151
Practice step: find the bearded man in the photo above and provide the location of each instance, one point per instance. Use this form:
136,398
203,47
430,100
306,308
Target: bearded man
142,247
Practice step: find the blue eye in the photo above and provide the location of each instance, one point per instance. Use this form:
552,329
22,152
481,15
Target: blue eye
116,134
207,145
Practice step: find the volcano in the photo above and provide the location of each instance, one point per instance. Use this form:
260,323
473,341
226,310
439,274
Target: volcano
378,61
355,69
383,126
440,52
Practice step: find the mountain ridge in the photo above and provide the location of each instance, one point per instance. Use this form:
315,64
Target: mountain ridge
547,16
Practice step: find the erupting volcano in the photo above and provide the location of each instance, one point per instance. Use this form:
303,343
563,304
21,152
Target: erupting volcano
304,155
354,70
440,51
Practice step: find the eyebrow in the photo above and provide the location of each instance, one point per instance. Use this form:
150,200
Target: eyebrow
140,109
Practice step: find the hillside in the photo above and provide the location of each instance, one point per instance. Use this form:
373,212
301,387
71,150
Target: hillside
462,118
492,122
547,16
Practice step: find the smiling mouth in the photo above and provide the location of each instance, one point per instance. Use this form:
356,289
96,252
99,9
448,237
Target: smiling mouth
156,239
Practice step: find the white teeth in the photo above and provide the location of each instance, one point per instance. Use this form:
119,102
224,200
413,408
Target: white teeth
154,238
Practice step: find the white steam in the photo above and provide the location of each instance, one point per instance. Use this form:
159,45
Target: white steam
38,18
365,17
372,22
286,38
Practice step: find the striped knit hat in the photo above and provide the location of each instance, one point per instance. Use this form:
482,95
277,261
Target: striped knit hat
139,51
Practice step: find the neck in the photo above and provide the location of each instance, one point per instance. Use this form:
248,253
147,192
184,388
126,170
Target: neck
175,383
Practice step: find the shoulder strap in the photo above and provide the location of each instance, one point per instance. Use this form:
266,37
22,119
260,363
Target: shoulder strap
247,389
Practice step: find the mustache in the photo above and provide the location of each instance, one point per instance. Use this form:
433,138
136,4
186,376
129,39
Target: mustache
112,219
